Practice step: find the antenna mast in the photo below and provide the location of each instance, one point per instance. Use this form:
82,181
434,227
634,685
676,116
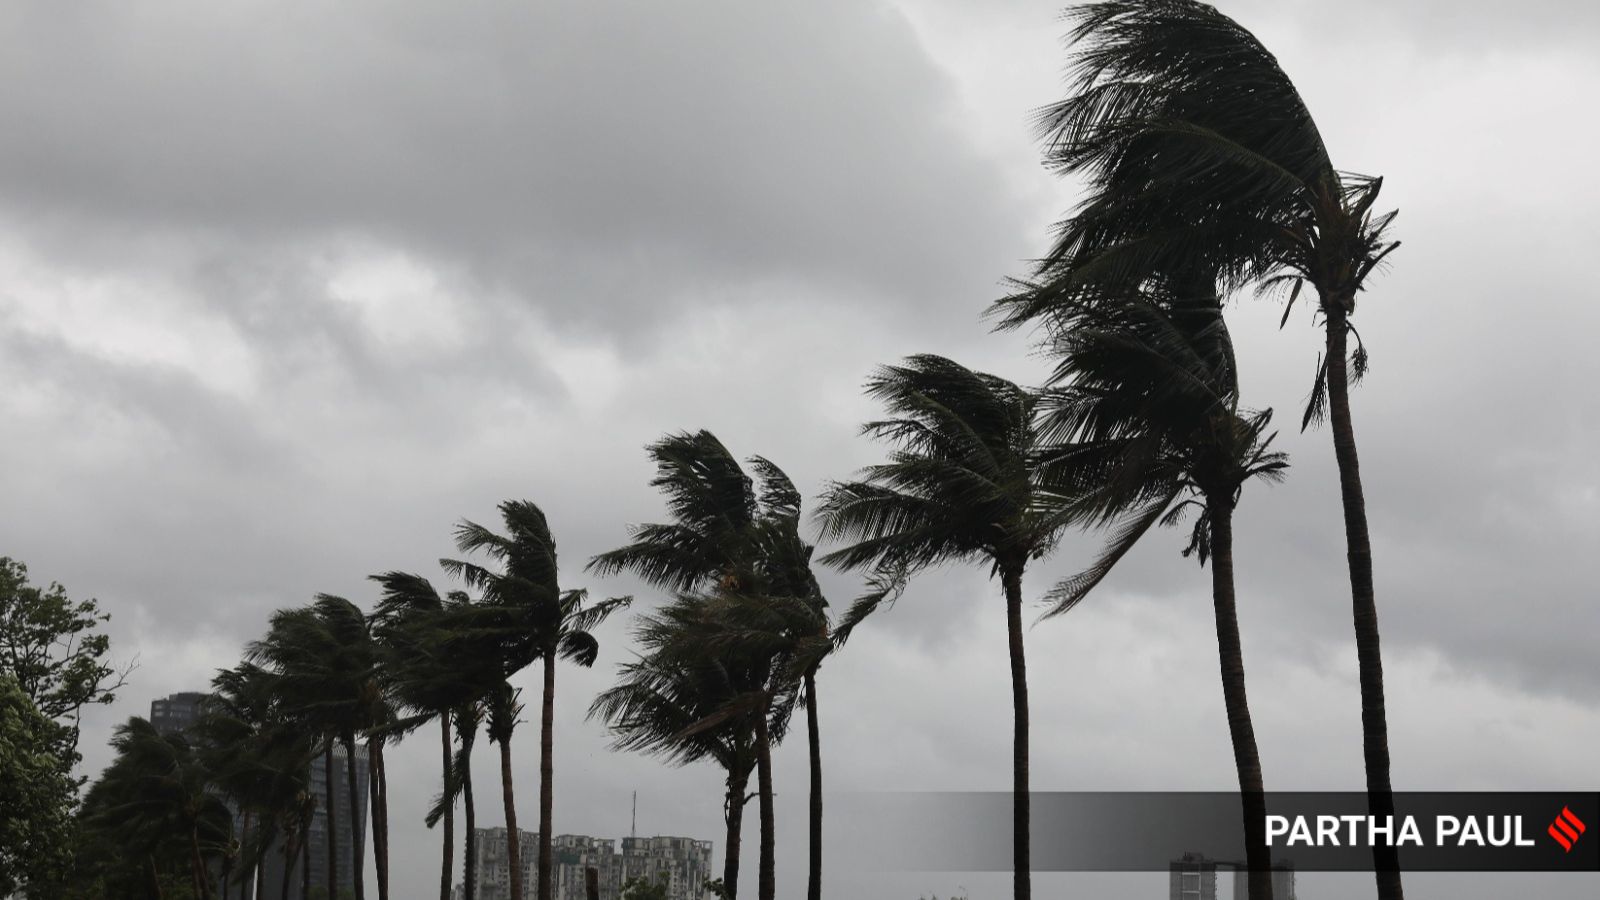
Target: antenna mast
633,831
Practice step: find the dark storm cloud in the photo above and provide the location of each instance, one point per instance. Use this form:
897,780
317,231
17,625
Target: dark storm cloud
595,159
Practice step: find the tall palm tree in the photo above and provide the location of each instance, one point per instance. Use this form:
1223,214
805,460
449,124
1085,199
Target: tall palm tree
408,608
964,482
295,647
1200,154
236,743
738,536
448,658
658,700
1146,403
540,621
327,667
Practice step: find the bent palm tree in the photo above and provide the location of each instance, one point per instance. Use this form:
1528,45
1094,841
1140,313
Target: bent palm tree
734,535
964,482
1147,403
327,667
409,606
1201,155
158,787
661,697
537,620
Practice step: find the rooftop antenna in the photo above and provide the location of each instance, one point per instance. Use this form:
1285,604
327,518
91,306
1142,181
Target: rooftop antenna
633,831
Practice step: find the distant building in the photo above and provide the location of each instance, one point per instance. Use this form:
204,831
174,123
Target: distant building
684,863
177,712
1194,877
1282,882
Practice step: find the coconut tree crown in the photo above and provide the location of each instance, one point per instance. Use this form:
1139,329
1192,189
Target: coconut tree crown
1198,152
961,481
1144,409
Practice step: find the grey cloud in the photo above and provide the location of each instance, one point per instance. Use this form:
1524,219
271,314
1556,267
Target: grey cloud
609,153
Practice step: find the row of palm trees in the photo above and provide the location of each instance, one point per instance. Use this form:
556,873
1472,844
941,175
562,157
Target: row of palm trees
1205,174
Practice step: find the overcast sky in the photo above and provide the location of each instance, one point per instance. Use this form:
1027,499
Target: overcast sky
288,288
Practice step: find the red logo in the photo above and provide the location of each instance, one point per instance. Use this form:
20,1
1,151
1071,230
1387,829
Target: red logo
1566,829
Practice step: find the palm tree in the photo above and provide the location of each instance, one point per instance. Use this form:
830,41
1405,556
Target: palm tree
738,536
259,756
658,700
447,658
1147,405
235,733
408,608
158,790
964,482
294,648
327,667
1200,155
536,620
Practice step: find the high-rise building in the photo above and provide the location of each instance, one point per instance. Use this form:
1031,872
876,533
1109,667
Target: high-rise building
351,834
683,863
177,712
1193,877
1282,882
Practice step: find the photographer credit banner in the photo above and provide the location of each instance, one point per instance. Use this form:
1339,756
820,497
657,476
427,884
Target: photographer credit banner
1147,832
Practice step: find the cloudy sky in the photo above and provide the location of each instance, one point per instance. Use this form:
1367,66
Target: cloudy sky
288,288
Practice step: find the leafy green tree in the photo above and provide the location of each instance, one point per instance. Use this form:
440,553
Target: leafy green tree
1146,403
646,888
539,621
963,483
36,797
737,537
52,648
1200,155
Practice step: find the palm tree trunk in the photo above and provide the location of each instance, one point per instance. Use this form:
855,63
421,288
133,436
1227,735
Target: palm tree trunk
469,864
738,783
377,781
331,808
260,892
508,796
305,855
155,877
1364,604
290,851
814,743
244,835
357,846
447,865
1230,653
1022,877
546,776
202,884
766,876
